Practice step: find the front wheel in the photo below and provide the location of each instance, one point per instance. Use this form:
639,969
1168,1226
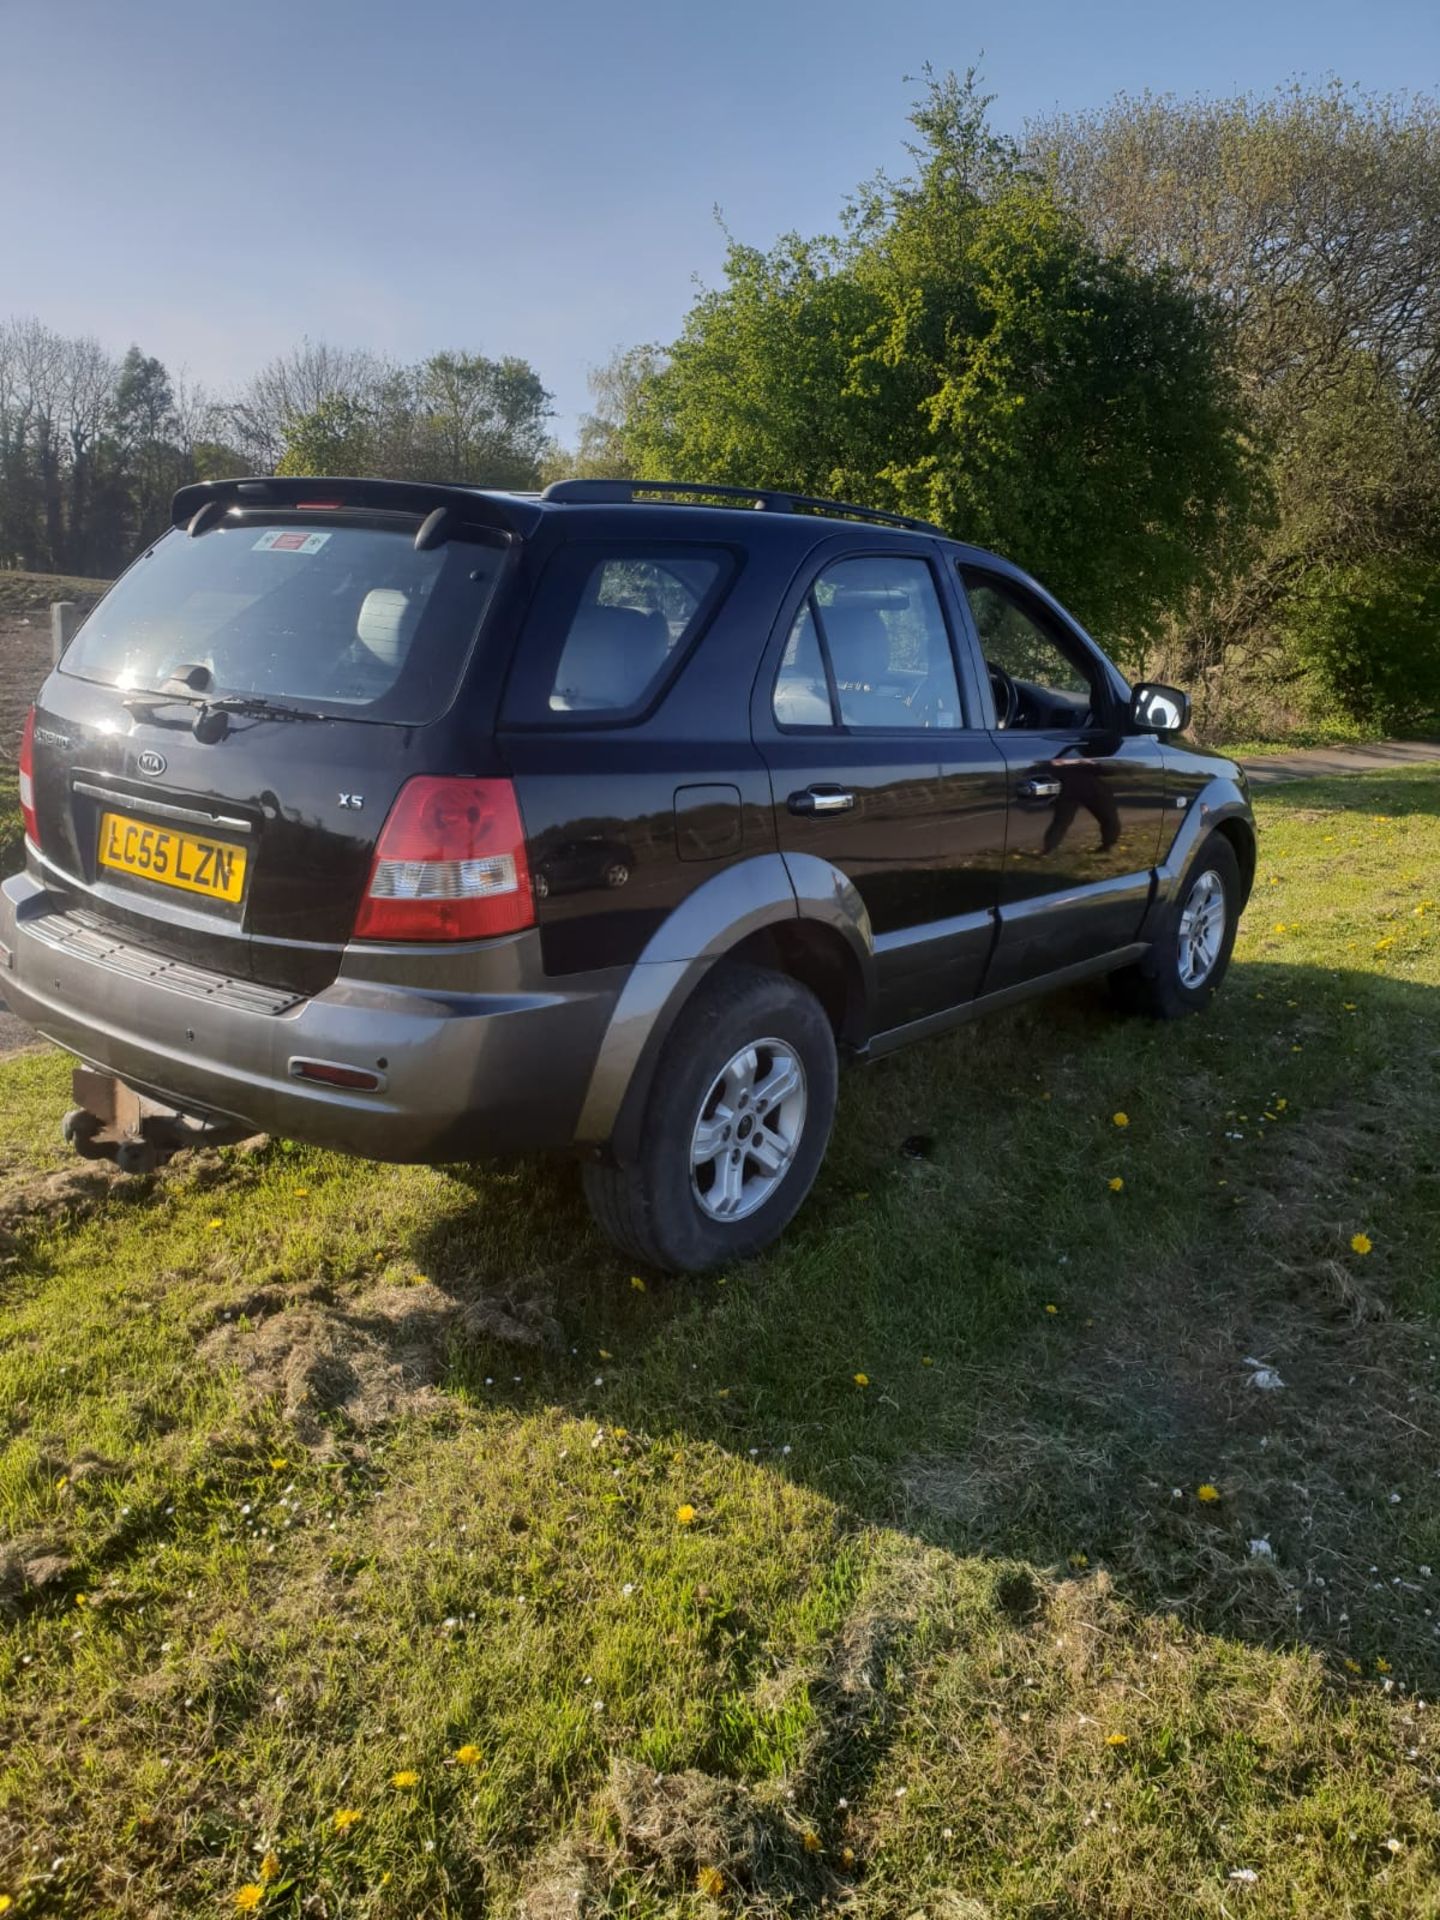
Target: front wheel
735,1127
1193,944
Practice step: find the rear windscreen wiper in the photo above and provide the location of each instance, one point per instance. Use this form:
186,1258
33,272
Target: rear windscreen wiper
254,707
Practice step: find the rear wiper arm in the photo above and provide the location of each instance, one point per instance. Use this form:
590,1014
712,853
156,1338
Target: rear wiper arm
253,706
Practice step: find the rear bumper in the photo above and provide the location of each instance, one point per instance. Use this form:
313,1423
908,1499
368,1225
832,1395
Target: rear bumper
464,1073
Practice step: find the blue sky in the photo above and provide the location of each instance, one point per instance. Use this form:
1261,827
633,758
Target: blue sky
217,182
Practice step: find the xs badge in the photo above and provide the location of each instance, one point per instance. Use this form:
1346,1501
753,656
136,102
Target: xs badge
353,800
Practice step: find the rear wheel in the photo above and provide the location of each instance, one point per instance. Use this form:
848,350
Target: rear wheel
1192,947
735,1126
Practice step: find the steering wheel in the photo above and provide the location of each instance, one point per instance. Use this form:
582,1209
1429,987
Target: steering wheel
1007,695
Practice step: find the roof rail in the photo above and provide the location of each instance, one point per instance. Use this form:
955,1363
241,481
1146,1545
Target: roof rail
624,492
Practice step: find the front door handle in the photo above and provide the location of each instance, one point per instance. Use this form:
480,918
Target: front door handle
1038,789
823,800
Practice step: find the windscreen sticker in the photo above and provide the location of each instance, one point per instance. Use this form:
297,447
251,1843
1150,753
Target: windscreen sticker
285,540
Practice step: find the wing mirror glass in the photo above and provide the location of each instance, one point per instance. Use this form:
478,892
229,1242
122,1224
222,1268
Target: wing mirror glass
1156,709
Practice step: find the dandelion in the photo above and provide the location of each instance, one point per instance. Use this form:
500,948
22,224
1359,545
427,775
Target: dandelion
1117,1185
810,1840
1079,1560
637,1283
926,1361
405,1779
344,1818
1353,1666
1121,1119
302,1193
468,1756
862,1379
247,1898
270,1868
847,1855
1117,1739
1382,1665
6,1902
710,1880
1279,926
686,1515
1388,941
1207,1493
604,1355
213,1225
1050,1307
279,1464
1361,1243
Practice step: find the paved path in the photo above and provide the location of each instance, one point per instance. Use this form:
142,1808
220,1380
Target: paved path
1315,762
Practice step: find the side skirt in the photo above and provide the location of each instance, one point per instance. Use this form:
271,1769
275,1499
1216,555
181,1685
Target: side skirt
968,1010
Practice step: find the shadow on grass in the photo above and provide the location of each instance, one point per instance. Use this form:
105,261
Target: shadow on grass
992,1346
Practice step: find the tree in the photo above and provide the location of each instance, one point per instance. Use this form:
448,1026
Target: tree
963,351
1311,223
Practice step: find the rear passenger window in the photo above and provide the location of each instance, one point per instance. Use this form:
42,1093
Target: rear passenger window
869,649
632,617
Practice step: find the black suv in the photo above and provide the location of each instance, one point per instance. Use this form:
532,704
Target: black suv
426,822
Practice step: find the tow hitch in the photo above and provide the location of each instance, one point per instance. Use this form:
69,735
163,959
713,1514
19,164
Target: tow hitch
110,1121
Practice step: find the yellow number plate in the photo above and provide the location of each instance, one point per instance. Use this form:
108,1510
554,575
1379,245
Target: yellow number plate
172,859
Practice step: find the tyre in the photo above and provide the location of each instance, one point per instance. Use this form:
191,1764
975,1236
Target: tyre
735,1126
1193,944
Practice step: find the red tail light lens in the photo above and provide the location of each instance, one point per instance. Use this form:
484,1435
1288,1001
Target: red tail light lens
449,864
27,779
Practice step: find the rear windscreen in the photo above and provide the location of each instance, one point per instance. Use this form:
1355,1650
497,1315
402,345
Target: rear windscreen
343,618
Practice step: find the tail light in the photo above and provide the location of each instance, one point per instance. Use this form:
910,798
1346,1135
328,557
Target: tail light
449,864
27,780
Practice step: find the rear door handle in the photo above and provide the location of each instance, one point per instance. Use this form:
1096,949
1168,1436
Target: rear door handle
1038,789
823,800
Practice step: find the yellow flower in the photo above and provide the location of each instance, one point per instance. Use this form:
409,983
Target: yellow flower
302,1193
637,1283
1117,1185
81,1600
862,1379
1050,1307
1079,1560
604,1354
345,1818
1279,926
1388,941
810,1840
1117,1739
467,1755
213,1224
5,1903
1382,1665
847,1855
1349,1005
685,1515
405,1779
1353,1666
1122,1119
710,1880
926,1361
279,1464
1361,1243
249,1897
270,1867
1207,1493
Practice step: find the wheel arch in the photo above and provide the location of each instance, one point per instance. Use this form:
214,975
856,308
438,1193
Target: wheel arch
800,916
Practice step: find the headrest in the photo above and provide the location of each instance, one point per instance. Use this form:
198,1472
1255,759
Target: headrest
381,626
611,656
859,643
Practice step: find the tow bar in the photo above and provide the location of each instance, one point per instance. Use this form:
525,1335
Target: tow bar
110,1121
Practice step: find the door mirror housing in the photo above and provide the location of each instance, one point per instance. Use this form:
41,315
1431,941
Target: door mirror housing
1157,709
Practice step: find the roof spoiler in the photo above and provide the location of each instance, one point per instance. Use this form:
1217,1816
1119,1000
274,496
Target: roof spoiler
439,510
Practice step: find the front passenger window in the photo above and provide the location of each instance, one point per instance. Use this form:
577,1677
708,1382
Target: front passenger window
1037,679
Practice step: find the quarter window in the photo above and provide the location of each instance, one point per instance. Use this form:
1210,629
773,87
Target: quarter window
869,650
632,617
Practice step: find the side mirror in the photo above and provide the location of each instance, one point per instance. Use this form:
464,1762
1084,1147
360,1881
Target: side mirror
1156,709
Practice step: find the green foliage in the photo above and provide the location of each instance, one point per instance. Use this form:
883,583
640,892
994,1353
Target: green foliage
336,437
966,353
1370,634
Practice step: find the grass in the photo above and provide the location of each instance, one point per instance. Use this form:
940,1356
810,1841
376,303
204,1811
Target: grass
33,592
316,1474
